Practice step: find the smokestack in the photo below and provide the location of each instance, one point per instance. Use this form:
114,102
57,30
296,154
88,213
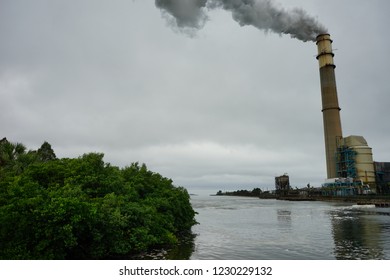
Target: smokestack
330,104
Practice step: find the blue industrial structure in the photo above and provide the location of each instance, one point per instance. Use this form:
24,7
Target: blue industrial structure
345,162
344,187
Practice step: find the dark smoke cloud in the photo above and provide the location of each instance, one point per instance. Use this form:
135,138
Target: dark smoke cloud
262,14
188,13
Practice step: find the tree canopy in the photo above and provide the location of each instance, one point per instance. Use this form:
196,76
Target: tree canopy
84,208
255,192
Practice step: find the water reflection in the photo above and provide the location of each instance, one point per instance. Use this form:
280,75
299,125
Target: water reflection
184,250
357,234
284,216
284,219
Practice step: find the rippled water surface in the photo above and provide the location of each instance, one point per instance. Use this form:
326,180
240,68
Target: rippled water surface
251,228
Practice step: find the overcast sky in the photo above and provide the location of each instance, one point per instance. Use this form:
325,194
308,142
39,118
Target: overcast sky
222,107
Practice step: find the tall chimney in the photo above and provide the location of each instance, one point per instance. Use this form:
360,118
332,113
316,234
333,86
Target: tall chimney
330,104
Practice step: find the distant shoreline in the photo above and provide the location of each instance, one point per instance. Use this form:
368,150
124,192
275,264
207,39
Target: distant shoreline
377,200
370,199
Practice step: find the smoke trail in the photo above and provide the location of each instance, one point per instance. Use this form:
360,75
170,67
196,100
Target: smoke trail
262,14
188,13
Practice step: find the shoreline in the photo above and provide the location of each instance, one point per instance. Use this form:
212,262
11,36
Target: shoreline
378,201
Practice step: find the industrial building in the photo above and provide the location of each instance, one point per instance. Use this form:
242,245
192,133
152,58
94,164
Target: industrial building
351,169
382,177
282,185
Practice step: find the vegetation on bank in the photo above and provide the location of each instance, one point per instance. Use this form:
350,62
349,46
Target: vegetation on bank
84,208
256,192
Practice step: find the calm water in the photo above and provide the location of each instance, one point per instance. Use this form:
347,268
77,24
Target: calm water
251,228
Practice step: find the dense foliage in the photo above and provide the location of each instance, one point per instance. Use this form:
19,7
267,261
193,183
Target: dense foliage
255,192
84,208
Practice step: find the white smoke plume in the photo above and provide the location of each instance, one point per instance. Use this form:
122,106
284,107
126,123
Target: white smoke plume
263,14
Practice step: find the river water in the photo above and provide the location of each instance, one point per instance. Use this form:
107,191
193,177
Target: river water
246,228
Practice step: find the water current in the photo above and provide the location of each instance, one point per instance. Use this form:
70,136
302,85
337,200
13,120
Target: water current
246,228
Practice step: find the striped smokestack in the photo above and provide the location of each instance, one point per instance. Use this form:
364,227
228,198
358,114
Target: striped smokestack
330,104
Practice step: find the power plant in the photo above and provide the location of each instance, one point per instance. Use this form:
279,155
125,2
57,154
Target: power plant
349,161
